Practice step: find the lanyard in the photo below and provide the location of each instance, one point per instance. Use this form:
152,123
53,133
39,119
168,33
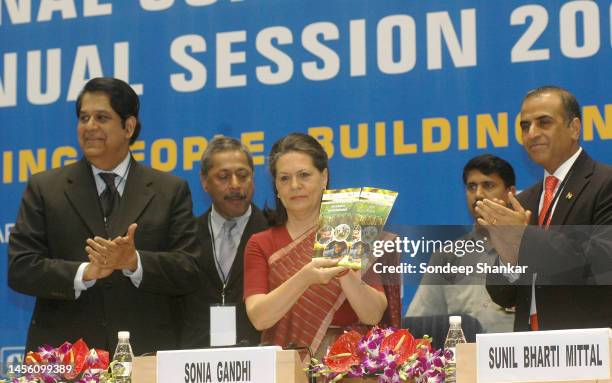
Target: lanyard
217,263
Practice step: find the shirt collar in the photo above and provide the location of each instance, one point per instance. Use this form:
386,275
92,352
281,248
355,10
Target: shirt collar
120,170
217,220
565,167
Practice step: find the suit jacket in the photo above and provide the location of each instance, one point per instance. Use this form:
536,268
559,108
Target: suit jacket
60,209
196,305
569,260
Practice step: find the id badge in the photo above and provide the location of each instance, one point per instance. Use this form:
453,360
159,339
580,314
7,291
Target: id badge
222,325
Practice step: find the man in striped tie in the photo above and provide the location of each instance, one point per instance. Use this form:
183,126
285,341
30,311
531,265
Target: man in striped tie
559,228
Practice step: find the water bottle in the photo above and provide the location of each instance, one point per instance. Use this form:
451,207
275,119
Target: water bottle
122,369
455,335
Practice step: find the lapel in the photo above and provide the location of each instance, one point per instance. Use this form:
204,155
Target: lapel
576,184
579,177
533,201
81,191
136,196
529,200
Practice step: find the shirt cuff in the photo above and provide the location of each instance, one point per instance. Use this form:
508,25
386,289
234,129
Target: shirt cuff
136,276
79,284
512,277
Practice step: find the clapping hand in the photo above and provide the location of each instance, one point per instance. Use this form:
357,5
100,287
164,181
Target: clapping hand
116,254
94,271
505,225
494,212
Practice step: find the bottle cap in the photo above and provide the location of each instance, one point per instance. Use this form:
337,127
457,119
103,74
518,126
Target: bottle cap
454,319
124,335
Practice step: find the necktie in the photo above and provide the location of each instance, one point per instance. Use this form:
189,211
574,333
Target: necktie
533,311
550,183
227,250
549,188
109,199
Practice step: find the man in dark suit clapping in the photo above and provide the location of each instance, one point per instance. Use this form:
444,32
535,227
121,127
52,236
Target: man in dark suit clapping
105,244
559,228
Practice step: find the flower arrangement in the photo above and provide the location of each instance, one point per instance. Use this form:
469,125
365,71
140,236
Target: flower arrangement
391,355
66,363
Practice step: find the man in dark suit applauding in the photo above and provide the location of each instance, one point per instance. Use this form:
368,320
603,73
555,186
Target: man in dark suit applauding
105,244
227,177
559,228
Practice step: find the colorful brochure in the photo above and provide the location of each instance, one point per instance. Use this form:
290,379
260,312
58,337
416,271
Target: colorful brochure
350,221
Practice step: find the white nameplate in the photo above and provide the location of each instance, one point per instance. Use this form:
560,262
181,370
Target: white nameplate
540,356
235,365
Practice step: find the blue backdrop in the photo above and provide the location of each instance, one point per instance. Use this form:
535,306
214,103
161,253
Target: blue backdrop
401,93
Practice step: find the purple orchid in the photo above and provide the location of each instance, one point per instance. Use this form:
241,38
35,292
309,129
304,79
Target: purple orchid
424,366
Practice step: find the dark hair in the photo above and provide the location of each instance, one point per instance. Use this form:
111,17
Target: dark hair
489,164
570,104
294,142
222,144
122,97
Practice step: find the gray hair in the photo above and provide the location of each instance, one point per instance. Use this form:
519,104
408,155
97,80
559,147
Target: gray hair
222,144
